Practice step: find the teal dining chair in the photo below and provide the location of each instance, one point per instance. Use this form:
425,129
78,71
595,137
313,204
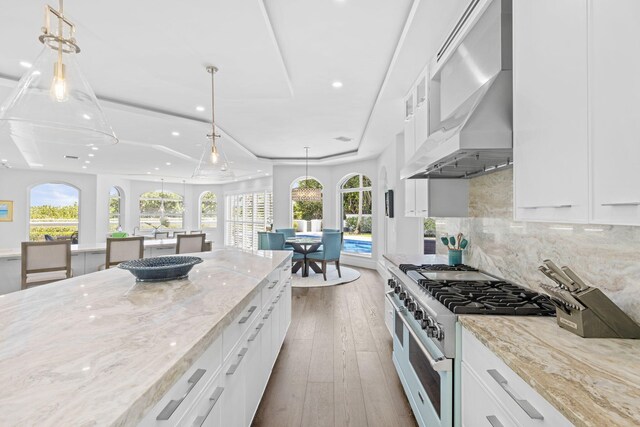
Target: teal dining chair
263,240
276,242
330,230
332,246
288,234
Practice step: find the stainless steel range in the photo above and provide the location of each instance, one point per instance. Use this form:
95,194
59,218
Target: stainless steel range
426,300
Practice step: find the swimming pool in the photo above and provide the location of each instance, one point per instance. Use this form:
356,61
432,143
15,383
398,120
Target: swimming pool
354,246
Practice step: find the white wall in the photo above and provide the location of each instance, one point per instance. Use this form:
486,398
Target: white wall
15,185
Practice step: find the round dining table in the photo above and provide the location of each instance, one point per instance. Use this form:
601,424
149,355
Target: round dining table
305,246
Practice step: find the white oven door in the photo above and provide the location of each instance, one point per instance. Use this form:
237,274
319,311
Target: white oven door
425,374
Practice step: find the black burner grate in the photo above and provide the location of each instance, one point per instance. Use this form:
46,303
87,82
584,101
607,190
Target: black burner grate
435,267
488,297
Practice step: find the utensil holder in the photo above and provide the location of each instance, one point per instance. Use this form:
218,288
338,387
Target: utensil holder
455,256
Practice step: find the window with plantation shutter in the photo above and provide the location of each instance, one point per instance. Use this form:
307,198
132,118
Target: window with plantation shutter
246,215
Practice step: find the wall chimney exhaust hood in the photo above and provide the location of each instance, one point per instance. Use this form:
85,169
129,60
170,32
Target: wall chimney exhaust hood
470,98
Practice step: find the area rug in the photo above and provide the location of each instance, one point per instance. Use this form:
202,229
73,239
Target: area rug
316,279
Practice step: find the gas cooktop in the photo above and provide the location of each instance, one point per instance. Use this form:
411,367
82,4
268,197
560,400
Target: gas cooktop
465,290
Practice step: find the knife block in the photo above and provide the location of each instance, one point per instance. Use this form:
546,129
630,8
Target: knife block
600,319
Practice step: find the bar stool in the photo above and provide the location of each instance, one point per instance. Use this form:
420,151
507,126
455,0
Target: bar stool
45,262
190,243
123,249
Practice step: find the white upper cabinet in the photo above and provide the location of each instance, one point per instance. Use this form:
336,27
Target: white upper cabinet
421,115
614,84
409,149
550,117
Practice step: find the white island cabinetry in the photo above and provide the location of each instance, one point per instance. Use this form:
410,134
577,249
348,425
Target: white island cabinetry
236,367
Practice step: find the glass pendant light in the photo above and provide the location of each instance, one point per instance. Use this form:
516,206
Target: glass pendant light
213,163
53,102
306,194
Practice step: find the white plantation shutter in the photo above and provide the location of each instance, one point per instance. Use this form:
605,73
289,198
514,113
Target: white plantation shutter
247,214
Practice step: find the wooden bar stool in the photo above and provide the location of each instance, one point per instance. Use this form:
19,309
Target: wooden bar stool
45,262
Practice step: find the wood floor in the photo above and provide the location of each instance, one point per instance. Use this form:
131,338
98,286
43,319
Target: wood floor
335,367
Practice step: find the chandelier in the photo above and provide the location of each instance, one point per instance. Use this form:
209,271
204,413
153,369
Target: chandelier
213,163
306,194
53,102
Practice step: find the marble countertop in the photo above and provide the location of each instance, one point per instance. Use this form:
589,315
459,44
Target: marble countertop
592,382
397,259
100,349
96,247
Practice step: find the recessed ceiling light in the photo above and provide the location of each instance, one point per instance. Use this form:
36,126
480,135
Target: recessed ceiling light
4,160
259,170
200,108
266,174
86,116
84,167
336,84
157,169
175,133
26,64
148,173
91,155
95,148
168,163
87,161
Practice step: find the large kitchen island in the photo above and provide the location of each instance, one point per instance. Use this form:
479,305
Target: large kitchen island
101,349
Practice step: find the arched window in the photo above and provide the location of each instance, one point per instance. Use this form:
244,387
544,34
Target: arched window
208,211
54,212
306,205
160,209
115,208
356,214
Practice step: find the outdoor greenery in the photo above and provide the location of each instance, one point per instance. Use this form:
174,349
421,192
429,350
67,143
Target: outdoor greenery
151,216
57,215
208,211
307,210
429,227
114,210
357,204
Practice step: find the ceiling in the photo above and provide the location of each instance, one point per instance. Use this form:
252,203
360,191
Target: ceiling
277,58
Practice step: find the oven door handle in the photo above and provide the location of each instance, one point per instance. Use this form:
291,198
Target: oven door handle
441,364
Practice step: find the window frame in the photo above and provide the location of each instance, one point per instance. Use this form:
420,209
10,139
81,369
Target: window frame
30,189
237,224
360,189
119,215
179,198
215,217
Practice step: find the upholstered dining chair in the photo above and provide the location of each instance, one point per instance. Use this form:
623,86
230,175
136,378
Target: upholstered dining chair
276,242
190,243
330,230
332,246
177,233
45,262
161,235
288,234
263,240
195,232
123,249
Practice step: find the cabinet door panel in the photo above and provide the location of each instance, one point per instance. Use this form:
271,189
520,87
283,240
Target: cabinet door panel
615,111
550,110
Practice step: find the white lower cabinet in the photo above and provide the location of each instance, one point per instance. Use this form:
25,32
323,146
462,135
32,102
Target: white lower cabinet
493,395
10,270
225,385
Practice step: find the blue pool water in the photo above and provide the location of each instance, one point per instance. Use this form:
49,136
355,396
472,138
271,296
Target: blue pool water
352,245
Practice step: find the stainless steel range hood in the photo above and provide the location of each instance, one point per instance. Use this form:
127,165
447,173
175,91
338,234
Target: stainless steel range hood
471,101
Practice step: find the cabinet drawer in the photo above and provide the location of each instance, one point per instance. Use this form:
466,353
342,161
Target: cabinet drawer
184,392
269,288
479,407
521,401
240,324
206,410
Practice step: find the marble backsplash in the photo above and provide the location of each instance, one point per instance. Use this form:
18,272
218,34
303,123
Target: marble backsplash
607,257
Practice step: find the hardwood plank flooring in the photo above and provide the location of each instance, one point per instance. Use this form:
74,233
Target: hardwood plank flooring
335,367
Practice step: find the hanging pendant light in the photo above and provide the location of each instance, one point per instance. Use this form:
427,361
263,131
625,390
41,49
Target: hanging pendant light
53,102
213,163
306,194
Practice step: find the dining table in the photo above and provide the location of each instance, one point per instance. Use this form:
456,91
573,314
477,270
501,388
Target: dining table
305,246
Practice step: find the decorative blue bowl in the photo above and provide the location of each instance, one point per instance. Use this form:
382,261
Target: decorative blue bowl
161,268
